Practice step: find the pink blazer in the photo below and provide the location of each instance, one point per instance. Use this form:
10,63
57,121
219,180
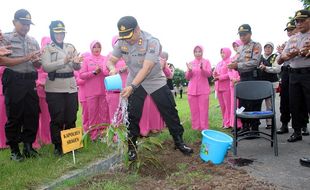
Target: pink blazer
198,77
94,85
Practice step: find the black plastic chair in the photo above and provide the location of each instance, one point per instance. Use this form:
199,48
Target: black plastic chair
255,90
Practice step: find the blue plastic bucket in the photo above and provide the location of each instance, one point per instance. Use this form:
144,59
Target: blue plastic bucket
113,82
214,146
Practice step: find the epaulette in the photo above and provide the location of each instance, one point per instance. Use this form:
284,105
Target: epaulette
51,47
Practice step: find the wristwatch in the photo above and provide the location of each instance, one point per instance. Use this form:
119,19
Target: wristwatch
134,87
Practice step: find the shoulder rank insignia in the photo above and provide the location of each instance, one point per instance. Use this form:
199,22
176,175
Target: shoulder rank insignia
140,42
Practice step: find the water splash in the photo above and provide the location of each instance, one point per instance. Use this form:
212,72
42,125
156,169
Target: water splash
121,114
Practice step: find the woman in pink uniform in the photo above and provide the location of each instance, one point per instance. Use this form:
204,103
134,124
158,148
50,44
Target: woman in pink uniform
234,77
198,90
222,86
113,96
43,134
92,73
81,95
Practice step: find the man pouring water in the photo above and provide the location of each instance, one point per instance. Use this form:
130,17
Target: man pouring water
141,52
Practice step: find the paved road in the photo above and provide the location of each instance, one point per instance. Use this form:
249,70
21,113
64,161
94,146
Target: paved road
284,170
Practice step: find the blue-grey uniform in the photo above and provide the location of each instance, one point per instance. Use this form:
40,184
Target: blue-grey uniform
148,48
248,61
60,88
299,84
19,89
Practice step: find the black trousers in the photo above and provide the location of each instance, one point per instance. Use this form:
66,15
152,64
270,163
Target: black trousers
250,105
299,98
165,103
63,108
22,108
284,98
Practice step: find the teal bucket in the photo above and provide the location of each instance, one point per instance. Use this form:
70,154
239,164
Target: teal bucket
214,146
113,82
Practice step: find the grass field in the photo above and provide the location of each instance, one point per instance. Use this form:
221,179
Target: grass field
35,172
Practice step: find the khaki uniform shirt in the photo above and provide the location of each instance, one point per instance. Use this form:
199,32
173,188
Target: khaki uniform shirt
53,60
21,46
298,41
249,56
147,48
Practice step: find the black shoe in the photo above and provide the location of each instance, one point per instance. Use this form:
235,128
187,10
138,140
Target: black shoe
268,127
184,149
283,129
295,137
132,149
179,144
29,152
304,131
305,162
132,155
17,156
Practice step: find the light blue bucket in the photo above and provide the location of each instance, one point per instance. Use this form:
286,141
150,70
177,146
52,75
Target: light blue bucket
113,82
214,146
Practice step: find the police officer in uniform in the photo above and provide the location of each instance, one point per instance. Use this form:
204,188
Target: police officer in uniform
59,60
305,51
284,93
299,71
141,52
21,99
246,64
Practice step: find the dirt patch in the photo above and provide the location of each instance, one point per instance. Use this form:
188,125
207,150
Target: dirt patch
176,171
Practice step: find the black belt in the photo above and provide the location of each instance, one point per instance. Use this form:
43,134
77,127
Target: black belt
300,70
60,75
246,74
27,76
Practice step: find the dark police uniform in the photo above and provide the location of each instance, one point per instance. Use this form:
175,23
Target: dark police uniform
248,61
19,89
299,83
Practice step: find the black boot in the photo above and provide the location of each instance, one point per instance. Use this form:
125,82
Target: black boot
58,149
304,131
29,151
15,153
179,144
132,149
305,162
283,129
296,136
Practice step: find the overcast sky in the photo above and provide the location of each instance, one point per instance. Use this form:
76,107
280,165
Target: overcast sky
178,24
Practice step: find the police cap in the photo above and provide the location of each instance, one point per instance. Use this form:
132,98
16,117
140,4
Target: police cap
244,28
126,26
23,16
302,14
57,26
290,25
